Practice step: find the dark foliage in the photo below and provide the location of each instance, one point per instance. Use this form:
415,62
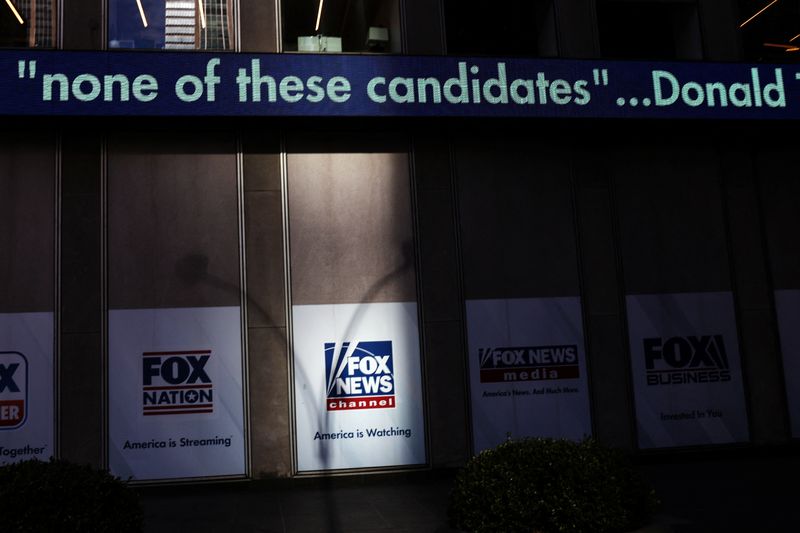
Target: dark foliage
548,486
38,496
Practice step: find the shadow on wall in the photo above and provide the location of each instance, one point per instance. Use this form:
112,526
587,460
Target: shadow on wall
194,269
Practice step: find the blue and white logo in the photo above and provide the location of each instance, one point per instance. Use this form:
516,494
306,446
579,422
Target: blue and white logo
360,375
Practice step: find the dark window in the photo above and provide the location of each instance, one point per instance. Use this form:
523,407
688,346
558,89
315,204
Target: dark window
512,28
649,30
770,30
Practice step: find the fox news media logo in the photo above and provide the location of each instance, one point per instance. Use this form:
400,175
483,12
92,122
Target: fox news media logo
682,360
360,375
528,363
13,389
176,383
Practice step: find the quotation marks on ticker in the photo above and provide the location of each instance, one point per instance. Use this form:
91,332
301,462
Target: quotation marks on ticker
30,66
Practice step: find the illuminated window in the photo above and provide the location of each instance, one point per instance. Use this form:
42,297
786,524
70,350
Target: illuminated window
660,30
360,26
171,24
770,31
518,28
28,23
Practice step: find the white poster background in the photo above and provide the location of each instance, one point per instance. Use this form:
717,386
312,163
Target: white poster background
135,331
693,413
539,408
30,334
787,304
315,325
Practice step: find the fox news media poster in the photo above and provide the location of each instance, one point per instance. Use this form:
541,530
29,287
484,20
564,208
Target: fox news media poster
175,393
26,387
687,377
357,386
527,370
787,304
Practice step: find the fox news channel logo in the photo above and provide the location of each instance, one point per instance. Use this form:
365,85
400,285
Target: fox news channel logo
13,389
176,383
684,360
528,363
360,375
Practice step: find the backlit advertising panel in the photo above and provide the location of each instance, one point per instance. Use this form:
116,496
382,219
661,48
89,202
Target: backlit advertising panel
527,365
175,397
357,386
687,376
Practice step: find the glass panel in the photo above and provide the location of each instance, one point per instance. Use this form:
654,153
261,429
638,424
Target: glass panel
171,24
649,30
371,26
520,28
174,318
27,222
28,23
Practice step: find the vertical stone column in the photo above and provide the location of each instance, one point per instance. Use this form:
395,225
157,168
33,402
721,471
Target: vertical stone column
81,420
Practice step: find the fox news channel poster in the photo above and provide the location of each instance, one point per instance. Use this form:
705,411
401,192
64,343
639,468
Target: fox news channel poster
527,370
175,393
357,386
687,376
787,304
26,387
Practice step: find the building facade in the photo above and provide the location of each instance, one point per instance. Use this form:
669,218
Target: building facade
249,289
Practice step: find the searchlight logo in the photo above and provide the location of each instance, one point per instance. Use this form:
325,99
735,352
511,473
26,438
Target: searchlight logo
528,363
683,360
360,375
176,383
13,389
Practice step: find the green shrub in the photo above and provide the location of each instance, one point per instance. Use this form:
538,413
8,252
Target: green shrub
39,496
548,486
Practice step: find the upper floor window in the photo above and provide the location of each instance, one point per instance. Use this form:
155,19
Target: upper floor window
365,26
649,29
513,27
171,24
770,30
28,23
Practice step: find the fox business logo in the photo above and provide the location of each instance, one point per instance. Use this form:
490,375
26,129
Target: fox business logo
360,375
13,390
683,360
176,383
528,363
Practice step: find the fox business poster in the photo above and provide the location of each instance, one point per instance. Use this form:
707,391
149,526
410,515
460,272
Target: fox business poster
527,370
687,377
26,387
357,386
787,303
175,393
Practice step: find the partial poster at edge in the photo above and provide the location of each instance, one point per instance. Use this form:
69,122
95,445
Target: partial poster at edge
787,304
26,387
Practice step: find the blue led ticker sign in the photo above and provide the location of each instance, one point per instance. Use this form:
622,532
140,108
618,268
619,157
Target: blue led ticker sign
60,83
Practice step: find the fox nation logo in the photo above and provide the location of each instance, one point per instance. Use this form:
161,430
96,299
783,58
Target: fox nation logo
360,375
176,383
13,389
683,360
528,363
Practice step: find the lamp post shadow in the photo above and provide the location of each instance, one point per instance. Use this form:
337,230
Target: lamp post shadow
194,269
